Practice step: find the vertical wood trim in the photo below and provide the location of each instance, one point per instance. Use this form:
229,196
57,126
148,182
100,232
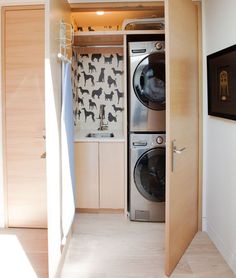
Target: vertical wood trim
200,116
99,173
3,87
125,127
168,130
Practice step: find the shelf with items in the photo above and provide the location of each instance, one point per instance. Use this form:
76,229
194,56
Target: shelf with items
107,38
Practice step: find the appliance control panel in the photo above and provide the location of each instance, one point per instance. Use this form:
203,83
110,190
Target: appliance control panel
160,140
146,141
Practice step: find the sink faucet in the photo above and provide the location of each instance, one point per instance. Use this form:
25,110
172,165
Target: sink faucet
102,125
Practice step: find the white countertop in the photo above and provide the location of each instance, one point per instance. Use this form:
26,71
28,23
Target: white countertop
80,136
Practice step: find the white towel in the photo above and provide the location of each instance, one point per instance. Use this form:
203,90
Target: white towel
67,153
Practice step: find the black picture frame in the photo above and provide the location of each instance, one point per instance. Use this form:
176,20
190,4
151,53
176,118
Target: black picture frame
221,77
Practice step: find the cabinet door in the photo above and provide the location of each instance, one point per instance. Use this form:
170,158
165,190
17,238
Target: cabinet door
182,128
111,158
24,117
87,177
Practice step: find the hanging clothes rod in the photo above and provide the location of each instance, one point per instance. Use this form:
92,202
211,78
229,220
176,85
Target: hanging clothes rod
99,46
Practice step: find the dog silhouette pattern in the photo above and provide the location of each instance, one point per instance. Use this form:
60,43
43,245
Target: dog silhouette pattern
97,93
111,81
87,114
108,60
83,91
102,75
109,96
88,77
92,105
92,68
97,80
96,57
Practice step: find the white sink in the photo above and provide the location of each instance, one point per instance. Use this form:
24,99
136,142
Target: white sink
100,135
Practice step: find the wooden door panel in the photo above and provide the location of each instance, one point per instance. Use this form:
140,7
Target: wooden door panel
24,117
87,176
182,126
111,175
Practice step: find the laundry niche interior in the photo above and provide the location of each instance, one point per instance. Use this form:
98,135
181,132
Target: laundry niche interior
99,67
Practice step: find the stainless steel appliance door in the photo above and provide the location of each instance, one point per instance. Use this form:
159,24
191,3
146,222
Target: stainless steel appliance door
147,92
149,175
149,81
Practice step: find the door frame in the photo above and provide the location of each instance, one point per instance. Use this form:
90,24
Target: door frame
3,101
200,117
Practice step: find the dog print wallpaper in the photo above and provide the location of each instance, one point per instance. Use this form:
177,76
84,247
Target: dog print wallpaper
97,80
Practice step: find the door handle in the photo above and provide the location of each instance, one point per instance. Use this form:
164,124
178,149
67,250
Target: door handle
43,155
174,151
140,144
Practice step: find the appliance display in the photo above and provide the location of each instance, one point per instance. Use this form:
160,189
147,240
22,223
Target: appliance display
147,86
147,177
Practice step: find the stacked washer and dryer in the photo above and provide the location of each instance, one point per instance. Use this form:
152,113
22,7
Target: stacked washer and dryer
146,126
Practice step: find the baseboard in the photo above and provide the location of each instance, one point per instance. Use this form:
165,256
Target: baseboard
100,210
204,224
228,255
64,249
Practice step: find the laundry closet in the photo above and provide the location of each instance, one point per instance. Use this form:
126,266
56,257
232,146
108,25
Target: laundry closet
100,82
97,51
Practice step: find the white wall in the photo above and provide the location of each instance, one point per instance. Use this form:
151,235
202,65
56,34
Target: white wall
219,31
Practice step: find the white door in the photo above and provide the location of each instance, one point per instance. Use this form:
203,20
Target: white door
56,11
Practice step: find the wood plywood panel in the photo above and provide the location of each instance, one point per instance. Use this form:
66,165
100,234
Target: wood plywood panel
87,176
24,117
117,6
111,158
182,126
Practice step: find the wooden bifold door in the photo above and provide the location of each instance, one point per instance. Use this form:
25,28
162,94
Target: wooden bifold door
23,107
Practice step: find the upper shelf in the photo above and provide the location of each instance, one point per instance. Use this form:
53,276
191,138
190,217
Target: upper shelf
117,33
108,37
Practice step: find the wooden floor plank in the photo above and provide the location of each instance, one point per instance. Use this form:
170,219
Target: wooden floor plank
24,253
105,246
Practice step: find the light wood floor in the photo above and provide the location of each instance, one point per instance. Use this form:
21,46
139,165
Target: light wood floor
109,246
23,253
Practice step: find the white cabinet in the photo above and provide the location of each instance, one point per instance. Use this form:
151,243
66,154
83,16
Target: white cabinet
99,168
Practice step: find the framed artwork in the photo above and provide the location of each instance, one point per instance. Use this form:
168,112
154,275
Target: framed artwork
221,77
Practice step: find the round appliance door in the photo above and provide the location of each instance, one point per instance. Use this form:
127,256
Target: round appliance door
149,175
149,81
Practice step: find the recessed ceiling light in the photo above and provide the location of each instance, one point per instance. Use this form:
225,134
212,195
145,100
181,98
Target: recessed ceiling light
100,13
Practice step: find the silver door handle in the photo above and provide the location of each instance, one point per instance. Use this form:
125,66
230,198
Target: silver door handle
43,155
175,151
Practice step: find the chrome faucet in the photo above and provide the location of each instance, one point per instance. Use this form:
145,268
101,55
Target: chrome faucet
102,125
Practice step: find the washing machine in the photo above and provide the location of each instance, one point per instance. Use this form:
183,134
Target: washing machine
147,177
147,99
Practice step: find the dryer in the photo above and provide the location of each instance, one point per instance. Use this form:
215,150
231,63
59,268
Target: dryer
146,86
147,177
